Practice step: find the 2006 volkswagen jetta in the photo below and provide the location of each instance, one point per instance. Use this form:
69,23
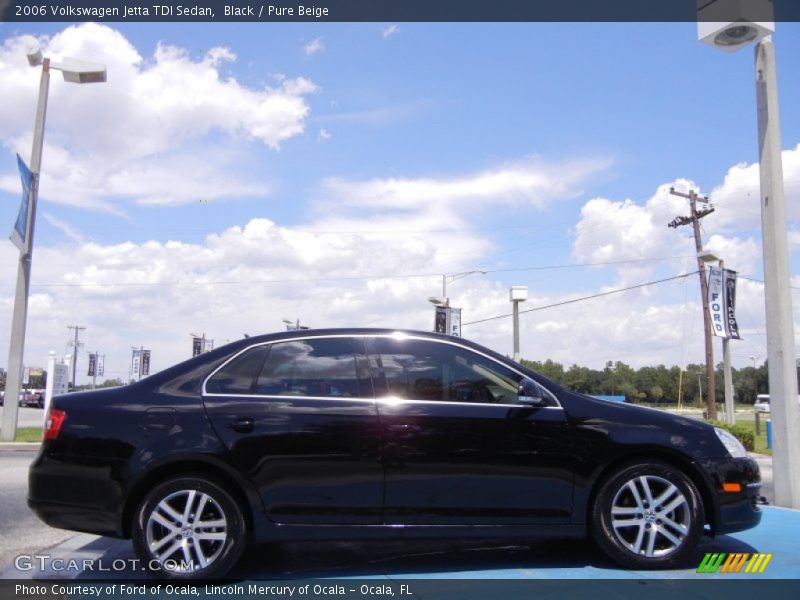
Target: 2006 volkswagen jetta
362,433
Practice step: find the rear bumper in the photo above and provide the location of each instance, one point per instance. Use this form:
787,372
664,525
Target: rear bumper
76,518
76,497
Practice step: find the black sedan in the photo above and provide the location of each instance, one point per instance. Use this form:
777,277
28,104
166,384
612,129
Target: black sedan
365,433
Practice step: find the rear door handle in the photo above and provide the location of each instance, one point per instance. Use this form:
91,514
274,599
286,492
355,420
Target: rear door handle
242,425
404,429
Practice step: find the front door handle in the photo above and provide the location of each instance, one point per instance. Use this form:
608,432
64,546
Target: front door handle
242,424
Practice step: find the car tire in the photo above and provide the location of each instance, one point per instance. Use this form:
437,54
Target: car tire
647,516
175,541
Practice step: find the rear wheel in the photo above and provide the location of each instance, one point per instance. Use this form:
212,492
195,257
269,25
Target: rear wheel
648,516
189,528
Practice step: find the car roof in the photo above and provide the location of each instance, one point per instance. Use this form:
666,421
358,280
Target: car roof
359,331
221,353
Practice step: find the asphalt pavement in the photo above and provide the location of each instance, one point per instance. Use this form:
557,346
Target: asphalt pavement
21,531
27,417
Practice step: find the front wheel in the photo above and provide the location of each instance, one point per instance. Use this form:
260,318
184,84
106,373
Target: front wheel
189,528
648,516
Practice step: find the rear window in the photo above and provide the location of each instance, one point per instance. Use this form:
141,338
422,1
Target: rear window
238,376
324,367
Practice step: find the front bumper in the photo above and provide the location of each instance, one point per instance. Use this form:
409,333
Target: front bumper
736,510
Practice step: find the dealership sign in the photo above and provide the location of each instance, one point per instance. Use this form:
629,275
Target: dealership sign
722,303
447,320
20,233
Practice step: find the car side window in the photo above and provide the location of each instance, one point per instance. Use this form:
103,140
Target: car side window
238,375
427,370
324,367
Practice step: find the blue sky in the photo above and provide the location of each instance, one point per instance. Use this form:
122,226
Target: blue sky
380,150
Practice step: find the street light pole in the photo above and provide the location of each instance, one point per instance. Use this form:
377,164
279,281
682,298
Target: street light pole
777,293
455,277
20,315
74,71
519,293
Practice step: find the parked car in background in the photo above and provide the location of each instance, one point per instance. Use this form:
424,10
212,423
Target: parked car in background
379,434
32,399
762,403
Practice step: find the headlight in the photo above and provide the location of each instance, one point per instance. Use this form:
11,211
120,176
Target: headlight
732,445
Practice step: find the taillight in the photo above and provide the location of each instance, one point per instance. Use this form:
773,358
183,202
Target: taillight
52,425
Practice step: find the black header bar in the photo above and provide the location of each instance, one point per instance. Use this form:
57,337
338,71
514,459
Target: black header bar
398,10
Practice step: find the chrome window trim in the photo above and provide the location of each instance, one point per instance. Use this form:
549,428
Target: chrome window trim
398,335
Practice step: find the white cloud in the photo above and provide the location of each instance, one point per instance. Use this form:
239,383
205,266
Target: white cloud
531,181
246,279
361,261
737,198
324,135
147,119
432,214
67,229
620,230
314,46
376,116
612,230
389,31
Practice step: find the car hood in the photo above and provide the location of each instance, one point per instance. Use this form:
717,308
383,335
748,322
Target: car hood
638,425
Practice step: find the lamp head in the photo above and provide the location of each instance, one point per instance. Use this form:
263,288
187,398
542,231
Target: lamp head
733,24
81,71
708,256
519,293
34,53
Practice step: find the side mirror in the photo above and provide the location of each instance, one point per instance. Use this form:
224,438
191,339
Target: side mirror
530,394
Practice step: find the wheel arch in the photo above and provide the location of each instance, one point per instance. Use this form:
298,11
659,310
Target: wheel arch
683,464
189,467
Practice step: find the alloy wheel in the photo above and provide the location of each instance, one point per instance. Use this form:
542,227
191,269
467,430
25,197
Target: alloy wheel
186,531
650,516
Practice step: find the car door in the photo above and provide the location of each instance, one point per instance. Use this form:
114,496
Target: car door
300,420
459,447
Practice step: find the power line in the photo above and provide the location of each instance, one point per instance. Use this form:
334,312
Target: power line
574,300
753,279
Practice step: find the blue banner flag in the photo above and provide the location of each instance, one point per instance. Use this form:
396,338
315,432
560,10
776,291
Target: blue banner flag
20,233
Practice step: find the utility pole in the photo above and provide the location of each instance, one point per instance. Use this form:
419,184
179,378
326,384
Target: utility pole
76,345
694,219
